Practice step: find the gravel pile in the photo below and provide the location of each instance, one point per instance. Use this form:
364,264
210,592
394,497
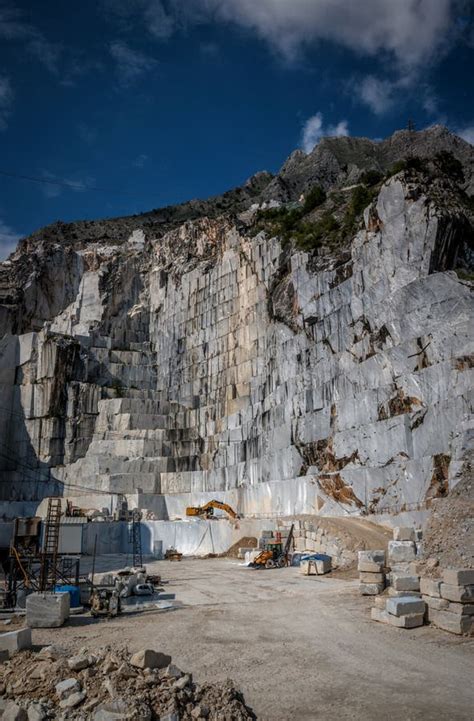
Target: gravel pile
448,538
112,684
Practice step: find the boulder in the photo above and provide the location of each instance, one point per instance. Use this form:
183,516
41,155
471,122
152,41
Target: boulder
148,658
14,712
66,687
78,663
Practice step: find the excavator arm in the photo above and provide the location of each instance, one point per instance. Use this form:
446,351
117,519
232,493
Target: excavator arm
207,509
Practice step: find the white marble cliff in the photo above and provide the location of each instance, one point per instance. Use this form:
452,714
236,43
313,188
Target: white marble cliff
206,358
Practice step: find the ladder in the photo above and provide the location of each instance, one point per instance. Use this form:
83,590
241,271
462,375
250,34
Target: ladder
49,554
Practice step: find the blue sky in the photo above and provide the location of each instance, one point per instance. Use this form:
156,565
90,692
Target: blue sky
135,104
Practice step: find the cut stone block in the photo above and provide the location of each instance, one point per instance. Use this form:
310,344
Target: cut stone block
461,609
439,604
430,587
451,622
371,577
408,620
371,589
308,568
380,601
411,620
393,592
371,557
370,567
405,605
323,565
47,610
379,614
403,533
250,556
458,576
458,594
401,582
15,640
401,551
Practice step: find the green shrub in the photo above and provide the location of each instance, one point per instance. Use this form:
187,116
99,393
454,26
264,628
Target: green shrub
371,177
360,199
450,165
315,197
310,236
397,168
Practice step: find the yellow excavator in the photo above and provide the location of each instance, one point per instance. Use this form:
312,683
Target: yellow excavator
207,510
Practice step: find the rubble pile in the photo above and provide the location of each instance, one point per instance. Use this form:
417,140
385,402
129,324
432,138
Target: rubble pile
449,533
113,683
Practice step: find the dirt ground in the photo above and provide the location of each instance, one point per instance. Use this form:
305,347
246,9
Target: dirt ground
300,648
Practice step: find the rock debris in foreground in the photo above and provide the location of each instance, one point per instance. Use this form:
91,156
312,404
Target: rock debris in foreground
108,686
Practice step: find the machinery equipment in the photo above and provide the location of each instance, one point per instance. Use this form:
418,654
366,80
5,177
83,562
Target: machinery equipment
275,555
207,510
173,555
105,602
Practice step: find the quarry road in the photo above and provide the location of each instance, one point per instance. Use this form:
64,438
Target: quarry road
298,647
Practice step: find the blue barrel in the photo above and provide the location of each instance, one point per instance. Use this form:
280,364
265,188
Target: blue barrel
74,593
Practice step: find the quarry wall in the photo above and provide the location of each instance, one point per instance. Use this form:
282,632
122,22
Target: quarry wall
210,363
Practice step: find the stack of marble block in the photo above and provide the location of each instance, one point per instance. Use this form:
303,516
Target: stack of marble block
399,611
402,557
371,567
450,600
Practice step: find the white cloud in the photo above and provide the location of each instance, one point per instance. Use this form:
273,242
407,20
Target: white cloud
8,240
377,94
314,130
6,100
130,63
409,30
150,14
467,134
14,28
140,161
159,23
54,186
86,133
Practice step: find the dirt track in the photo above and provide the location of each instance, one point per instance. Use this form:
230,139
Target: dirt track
300,648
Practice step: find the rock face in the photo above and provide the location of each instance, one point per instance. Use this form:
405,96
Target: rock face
187,357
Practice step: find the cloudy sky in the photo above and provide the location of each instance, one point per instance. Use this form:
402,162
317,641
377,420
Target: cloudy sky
111,107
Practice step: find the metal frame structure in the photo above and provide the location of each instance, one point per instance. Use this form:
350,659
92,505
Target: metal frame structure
135,538
31,569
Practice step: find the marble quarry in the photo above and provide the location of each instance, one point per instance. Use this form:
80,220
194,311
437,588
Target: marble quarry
210,362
